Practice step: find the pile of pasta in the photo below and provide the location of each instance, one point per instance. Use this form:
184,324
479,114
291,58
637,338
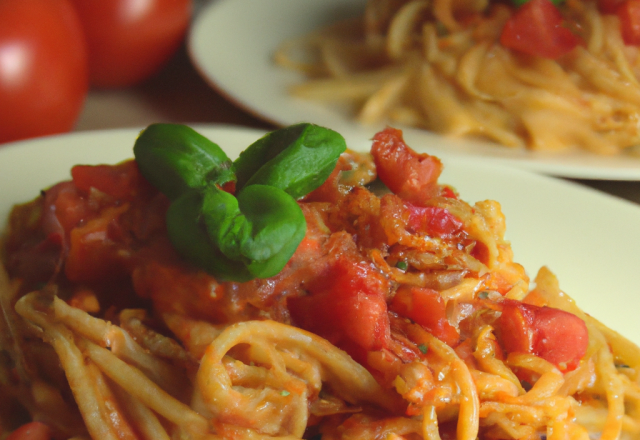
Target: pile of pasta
439,65
387,323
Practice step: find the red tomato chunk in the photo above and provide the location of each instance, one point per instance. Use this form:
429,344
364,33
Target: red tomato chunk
426,308
410,175
118,181
434,221
347,306
555,335
537,28
31,431
629,16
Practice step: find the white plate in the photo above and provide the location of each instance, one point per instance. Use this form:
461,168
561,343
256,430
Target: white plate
231,44
591,241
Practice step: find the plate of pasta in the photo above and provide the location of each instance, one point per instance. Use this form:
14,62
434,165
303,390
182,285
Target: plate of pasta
149,290
359,65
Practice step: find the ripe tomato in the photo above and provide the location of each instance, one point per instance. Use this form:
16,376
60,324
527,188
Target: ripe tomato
43,68
31,431
130,40
427,308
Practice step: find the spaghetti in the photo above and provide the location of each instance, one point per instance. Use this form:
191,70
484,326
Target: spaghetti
401,315
454,68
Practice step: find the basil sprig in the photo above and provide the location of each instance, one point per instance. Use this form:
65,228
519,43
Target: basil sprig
254,232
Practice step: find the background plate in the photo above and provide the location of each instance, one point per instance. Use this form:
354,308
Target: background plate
589,240
231,44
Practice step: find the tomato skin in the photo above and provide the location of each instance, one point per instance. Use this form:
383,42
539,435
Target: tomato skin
43,68
537,29
629,16
70,207
410,175
433,220
31,431
130,40
552,334
94,249
347,306
119,181
427,308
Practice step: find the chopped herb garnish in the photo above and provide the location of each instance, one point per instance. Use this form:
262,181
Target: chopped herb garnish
402,265
284,393
483,295
423,348
622,366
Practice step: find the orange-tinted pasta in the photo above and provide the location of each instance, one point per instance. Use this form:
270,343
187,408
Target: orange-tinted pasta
393,320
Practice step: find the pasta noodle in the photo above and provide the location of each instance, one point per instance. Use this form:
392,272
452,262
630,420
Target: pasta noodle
443,66
398,317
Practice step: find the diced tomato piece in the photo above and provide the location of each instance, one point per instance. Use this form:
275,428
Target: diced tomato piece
427,308
64,208
465,350
537,28
71,208
410,175
119,181
629,15
446,191
331,190
346,306
31,431
516,326
562,337
93,255
497,281
433,220
555,335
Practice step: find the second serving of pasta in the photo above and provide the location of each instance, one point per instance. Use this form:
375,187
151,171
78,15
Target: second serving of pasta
541,76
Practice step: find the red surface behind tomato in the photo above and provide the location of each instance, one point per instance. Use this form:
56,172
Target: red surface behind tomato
43,71
130,40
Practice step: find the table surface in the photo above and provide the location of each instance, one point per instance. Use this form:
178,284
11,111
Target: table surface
179,94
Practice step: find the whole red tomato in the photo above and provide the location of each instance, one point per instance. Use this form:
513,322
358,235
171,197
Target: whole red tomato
129,40
43,68
31,431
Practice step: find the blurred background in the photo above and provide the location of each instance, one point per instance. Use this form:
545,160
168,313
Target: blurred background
176,93
155,82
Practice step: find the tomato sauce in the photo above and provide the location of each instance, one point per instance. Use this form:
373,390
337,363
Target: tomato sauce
367,259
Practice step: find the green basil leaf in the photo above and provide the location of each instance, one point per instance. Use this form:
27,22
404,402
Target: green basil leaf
296,159
175,158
